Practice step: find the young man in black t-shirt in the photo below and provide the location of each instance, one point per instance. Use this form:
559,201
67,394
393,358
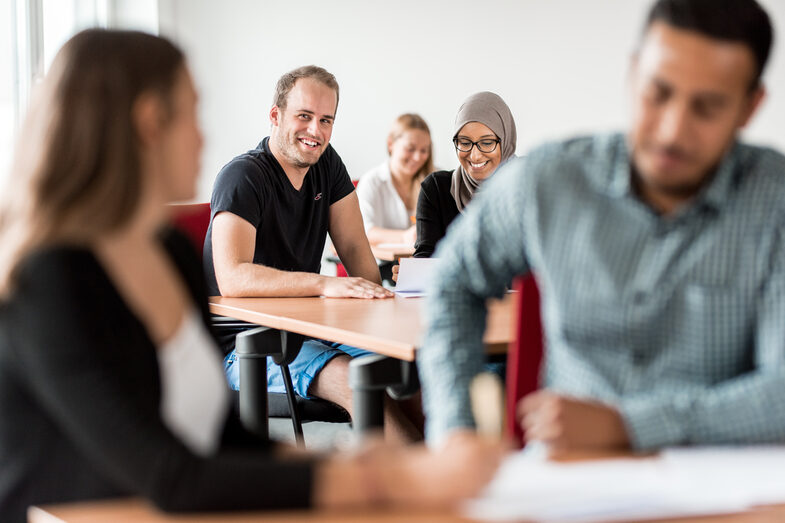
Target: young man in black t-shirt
272,208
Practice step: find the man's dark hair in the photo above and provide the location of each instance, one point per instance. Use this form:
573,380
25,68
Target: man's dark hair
742,21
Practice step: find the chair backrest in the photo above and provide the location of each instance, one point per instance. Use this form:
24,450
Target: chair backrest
524,357
340,270
193,219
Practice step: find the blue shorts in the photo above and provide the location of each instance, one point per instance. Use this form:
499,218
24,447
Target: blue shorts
313,356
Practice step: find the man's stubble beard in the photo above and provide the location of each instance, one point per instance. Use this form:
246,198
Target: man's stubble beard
290,152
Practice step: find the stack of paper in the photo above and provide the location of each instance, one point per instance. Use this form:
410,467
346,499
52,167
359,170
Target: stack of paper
678,482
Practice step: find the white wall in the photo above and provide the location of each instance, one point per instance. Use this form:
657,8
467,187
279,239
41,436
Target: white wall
559,64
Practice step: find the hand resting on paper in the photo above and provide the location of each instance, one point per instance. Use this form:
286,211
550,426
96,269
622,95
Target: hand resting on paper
565,423
409,476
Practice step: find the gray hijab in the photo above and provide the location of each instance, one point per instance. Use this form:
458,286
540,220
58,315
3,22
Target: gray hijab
489,109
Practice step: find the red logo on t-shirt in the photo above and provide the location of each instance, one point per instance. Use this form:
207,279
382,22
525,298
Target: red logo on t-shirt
318,197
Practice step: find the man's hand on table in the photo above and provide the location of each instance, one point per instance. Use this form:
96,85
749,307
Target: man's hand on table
565,423
333,287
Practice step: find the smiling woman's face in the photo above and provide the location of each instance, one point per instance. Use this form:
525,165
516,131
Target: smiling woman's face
478,164
409,152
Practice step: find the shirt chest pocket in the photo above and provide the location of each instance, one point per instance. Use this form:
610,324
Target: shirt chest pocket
715,325
706,330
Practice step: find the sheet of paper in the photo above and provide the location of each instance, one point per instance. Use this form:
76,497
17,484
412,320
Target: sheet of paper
414,276
677,483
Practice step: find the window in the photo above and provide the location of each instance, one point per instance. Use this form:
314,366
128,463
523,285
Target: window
7,88
31,33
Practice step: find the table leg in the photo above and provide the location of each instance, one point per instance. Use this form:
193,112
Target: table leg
253,393
253,346
369,378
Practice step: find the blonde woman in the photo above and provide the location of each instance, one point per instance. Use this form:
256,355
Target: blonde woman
388,193
110,379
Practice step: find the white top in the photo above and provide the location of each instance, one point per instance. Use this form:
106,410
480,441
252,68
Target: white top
380,204
194,393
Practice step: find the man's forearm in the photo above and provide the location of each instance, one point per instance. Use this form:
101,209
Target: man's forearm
745,410
254,280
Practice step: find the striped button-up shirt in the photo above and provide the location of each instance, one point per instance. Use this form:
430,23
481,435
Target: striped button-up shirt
676,320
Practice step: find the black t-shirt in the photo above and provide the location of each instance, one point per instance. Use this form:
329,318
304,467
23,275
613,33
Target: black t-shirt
291,225
436,210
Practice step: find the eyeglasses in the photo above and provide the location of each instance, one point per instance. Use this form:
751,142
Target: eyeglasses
486,145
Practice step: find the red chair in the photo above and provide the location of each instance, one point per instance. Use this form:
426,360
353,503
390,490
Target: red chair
524,357
193,219
340,270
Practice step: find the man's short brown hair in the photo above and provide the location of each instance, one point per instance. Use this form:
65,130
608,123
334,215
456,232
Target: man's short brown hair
287,81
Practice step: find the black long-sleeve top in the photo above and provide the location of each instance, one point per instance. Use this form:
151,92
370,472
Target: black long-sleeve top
80,402
436,209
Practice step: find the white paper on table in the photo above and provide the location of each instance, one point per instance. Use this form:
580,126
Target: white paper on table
677,483
414,275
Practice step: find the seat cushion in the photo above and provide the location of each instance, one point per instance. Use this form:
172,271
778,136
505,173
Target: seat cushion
309,409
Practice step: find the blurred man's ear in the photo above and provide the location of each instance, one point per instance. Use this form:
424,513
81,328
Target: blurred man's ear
754,100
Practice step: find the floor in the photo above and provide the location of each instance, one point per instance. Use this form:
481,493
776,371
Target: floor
318,435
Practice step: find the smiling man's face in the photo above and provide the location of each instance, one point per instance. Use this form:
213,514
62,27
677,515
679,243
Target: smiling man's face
302,130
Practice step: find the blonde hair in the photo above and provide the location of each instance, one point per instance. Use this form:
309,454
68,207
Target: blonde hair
76,172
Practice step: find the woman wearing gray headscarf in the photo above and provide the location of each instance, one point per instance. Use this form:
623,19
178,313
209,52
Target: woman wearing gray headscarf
484,138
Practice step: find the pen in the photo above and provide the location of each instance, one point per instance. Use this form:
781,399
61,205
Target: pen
487,401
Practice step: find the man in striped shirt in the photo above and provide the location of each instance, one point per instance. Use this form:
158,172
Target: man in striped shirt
659,253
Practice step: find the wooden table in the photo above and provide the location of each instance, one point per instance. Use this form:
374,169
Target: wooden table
391,252
392,327
385,252
137,511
